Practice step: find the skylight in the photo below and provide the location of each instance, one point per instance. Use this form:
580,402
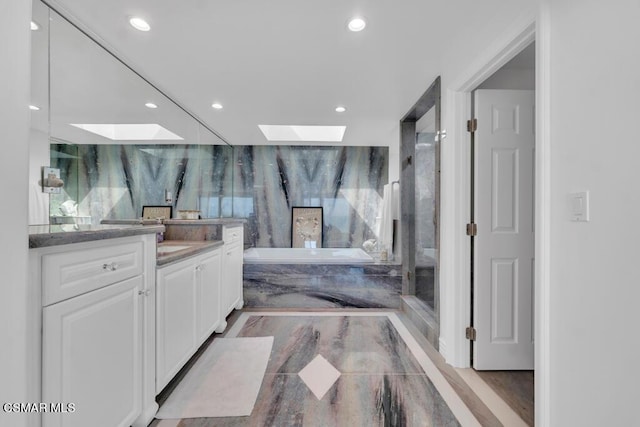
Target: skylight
293,133
130,132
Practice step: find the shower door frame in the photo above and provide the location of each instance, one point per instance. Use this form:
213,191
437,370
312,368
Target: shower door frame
431,316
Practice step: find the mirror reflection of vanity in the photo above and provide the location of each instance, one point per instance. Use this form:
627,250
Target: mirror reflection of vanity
104,151
119,142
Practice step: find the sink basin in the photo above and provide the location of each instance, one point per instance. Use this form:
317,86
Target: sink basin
163,250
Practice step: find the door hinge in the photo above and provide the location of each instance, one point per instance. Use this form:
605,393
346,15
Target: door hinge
472,229
471,333
472,125
408,275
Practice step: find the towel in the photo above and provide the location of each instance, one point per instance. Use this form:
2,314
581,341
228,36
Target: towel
386,219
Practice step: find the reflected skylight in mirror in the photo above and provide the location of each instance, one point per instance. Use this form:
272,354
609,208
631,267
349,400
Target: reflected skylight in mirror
294,133
130,132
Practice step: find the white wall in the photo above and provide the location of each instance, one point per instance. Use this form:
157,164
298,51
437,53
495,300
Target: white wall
594,276
14,164
591,364
514,78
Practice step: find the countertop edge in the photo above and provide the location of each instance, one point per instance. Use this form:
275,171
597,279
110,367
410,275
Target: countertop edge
41,240
197,247
205,221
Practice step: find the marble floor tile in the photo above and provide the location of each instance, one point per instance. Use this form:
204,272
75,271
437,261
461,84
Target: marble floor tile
351,344
354,400
374,374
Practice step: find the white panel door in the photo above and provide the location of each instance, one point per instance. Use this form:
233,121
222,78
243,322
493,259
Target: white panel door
92,357
504,245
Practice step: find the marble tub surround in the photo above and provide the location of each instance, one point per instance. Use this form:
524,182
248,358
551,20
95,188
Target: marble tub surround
378,375
64,234
186,249
322,286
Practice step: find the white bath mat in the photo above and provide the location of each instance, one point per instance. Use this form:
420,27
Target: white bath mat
224,382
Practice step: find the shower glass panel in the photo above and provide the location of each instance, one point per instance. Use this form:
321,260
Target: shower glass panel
425,208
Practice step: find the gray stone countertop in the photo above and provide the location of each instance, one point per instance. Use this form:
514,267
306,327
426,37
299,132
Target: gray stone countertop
171,251
134,221
64,234
205,221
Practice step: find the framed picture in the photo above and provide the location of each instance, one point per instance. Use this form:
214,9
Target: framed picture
154,212
306,227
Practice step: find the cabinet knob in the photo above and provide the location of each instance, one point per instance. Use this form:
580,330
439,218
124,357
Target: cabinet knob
199,267
111,266
145,293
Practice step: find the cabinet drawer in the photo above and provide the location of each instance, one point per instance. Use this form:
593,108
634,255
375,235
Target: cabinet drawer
67,274
232,234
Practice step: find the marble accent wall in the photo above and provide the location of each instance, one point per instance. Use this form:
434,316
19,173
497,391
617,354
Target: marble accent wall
259,183
115,181
346,181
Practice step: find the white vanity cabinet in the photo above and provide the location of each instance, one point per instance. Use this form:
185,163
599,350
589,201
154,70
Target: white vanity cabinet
208,280
187,310
92,354
232,272
96,304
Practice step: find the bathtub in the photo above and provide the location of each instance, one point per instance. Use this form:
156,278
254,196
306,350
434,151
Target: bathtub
306,256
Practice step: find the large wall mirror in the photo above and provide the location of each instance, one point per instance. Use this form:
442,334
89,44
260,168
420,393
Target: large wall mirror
119,142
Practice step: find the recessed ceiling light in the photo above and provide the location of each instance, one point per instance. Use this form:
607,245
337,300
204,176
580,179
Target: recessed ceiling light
356,24
217,106
139,24
303,133
34,26
150,105
34,108
340,109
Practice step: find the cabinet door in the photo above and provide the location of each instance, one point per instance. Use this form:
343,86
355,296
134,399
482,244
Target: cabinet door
92,357
209,304
232,285
176,320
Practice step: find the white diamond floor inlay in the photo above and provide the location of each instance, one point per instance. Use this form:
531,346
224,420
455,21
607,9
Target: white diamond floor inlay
319,375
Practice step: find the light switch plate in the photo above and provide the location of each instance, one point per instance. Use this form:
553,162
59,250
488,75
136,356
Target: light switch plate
579,206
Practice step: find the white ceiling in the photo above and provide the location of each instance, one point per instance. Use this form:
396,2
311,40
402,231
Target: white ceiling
287,62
